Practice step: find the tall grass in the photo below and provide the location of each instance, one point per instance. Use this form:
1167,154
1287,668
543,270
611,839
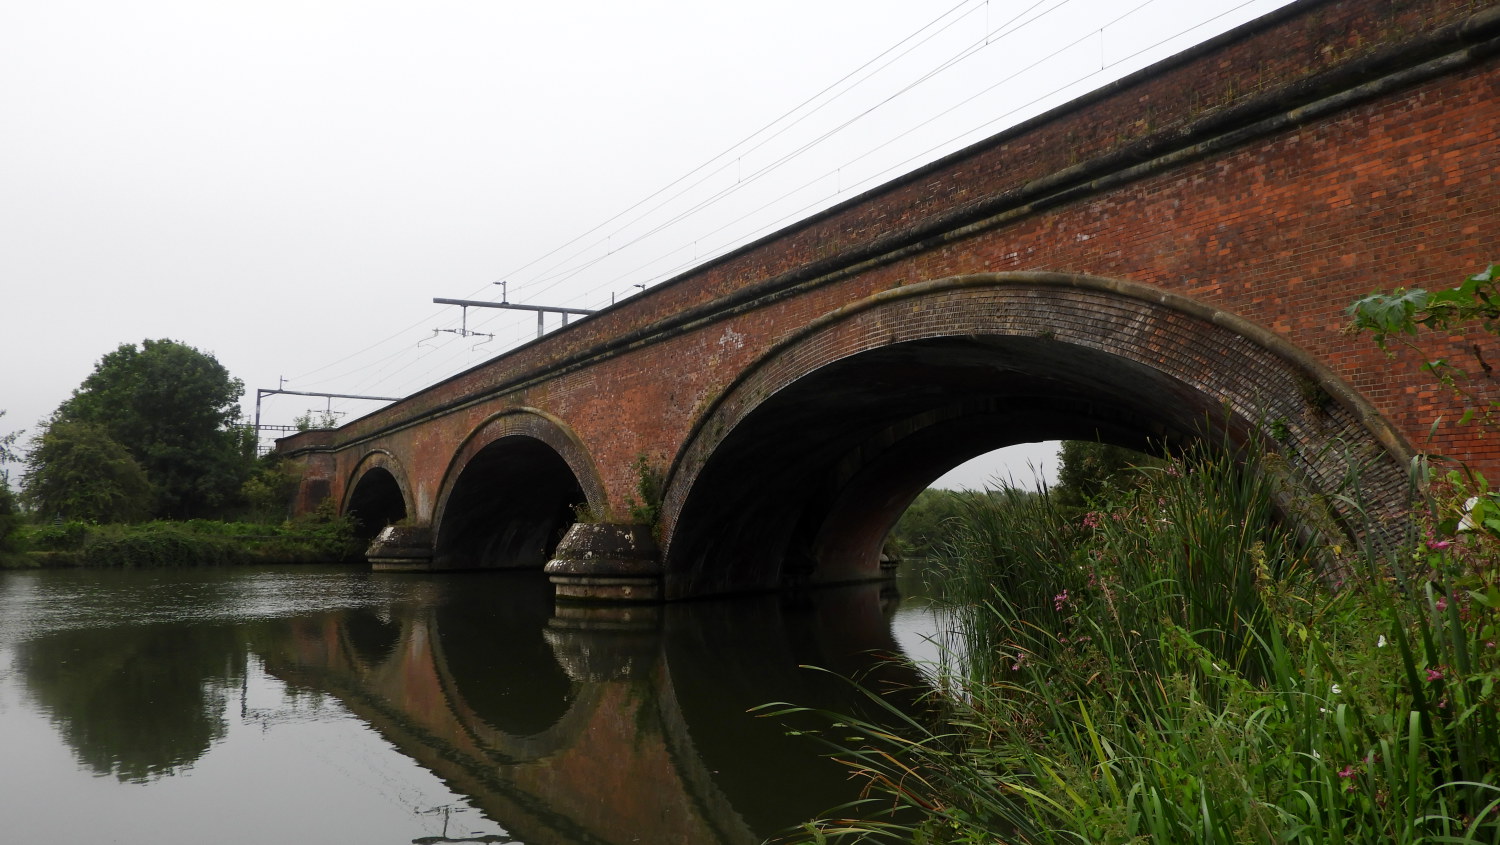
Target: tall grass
1176,666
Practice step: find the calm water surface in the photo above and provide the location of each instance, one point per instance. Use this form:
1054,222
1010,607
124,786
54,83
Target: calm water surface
338,706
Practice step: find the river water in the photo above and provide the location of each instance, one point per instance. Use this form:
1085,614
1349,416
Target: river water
322,705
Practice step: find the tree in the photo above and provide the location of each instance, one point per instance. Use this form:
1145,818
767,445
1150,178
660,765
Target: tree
9,518
176,411
75,471
1086,469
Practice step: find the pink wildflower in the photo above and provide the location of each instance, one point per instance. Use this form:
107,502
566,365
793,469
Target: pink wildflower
1092,520
1434,675
1442,603
1347,771
1059,600
1439,545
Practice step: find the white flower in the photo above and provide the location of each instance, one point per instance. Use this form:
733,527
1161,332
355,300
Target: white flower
1380,643
1467,523
1336,689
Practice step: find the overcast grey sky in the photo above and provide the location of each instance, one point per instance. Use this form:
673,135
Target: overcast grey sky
287,185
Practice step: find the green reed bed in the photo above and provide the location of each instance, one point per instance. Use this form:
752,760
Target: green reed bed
1174,666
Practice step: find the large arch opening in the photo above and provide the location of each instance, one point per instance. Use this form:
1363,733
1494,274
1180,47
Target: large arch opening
508,507
799,473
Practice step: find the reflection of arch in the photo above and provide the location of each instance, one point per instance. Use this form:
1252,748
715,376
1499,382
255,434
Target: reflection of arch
378,492
822,443
640,696
468,669
510,491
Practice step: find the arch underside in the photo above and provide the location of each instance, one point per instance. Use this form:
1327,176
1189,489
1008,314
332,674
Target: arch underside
800,471
508,508
378,497
511,493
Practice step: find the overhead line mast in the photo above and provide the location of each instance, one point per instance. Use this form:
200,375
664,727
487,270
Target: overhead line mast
541,310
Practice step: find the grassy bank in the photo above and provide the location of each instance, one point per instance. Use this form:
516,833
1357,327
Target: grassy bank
1174,666
186,543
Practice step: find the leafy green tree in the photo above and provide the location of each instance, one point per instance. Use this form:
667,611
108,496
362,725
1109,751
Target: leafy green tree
322,420
176,411
269,491
76,471
10,518
1087,469
927,523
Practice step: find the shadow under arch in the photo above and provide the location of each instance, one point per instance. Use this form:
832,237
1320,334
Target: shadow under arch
798,471
511,491
379,493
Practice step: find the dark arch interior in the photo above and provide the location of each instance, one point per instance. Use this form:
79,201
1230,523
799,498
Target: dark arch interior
376,503
509,507
807,486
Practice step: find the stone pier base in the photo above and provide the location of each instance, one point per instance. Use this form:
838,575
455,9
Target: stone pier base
401,548
603,561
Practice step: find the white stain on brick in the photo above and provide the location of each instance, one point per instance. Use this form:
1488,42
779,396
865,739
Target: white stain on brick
732,339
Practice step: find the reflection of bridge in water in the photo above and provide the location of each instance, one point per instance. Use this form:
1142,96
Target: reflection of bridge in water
606,725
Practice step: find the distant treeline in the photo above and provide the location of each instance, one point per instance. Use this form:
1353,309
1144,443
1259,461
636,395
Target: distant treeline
1087,472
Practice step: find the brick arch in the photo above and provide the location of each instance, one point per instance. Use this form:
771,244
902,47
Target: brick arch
386,462
379,459
1194,353
519,424
539,425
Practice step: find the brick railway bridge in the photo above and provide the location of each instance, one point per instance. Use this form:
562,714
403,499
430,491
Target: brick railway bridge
1164,259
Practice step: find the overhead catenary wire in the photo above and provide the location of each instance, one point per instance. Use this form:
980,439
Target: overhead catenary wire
741,183
924,154
577,256
736,147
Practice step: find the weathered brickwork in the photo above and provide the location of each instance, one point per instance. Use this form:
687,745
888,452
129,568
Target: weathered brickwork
1272,176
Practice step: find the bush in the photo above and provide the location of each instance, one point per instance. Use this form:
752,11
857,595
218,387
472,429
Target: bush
58,536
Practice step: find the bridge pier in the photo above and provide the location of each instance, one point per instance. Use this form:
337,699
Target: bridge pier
607,561
401,548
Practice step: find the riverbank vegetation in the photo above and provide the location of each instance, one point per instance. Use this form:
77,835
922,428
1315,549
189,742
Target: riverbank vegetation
147,464
319,538
1176,666
1176,663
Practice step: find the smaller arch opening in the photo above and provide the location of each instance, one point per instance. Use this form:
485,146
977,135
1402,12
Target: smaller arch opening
509,507
375,503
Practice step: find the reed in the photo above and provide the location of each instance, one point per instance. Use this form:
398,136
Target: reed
1175,667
